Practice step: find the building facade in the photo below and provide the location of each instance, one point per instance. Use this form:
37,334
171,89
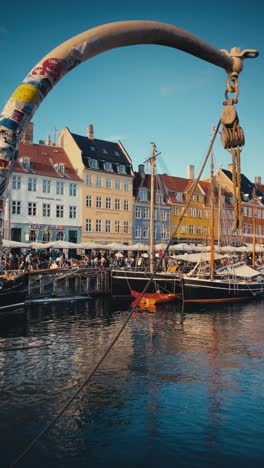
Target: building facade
43,201
107,190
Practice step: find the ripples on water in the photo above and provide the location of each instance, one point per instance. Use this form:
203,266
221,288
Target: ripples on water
177,389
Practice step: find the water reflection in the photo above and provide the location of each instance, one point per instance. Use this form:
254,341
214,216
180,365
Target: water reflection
176,386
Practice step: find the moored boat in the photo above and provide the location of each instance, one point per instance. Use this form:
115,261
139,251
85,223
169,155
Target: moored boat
153,298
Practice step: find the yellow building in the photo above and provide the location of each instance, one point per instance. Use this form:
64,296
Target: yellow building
107,192
194,226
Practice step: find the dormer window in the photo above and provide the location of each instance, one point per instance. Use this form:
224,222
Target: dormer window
143,195
105,151
60,168
121,168
108,166
116,153
26,163
92,148
93,163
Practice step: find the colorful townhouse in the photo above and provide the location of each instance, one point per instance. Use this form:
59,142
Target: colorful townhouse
252,204
43,200
107,190
141,213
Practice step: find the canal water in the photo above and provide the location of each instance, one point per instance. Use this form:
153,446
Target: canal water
181,389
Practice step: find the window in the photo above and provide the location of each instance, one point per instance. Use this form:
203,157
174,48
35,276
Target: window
16,207
72,212
32,184
88,225
73,190
164,215
88,201
179,196
199,198
126,205
108,182
191,229
138,212
32,235
98,202
108,166
117,204
117,184
46,209
199,230
176,211
206,230
126,227
98,181
199,213
108,203
32,209
121,168
98,225
60,236
107,225
16,182
59,188
159,198
93,163
145,232
26,163
244,228
143,195
88,180
138,232
46,186
117,227
184,229
61,168
145,213
250,211
59,211
126,186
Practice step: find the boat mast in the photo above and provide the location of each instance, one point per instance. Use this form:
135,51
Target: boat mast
254,229
212,223
152,160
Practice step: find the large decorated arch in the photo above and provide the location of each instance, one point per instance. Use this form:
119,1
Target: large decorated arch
27,97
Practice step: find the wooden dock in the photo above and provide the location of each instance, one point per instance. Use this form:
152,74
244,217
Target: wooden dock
68,282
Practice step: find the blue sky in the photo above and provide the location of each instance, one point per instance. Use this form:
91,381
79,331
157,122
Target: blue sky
144,93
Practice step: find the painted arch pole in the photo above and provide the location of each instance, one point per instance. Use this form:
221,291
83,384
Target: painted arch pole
27,97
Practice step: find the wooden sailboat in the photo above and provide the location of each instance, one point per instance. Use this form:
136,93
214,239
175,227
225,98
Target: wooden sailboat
124,281
233,283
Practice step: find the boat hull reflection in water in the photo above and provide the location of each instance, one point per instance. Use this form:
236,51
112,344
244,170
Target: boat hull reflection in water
176,389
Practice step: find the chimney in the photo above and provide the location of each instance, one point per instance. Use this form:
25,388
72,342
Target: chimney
28,134
258,180
190,171
230,167
48,140
141,170
90,132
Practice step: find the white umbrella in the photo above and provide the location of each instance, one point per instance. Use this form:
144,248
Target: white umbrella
61,245
138,246
116,246
13,244
119,255
89,245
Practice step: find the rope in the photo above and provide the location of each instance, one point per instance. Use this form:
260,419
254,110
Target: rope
236,179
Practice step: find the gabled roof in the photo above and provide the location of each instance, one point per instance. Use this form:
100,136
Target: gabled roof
43,159
246,185
174,184
102,151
